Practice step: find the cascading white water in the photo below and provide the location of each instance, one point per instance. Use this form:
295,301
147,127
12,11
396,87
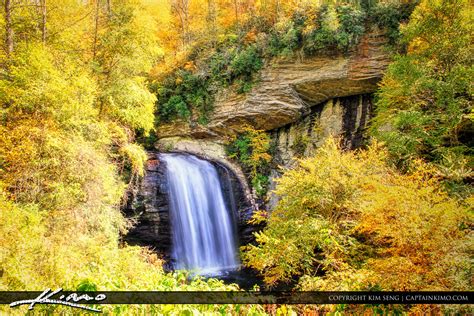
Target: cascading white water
203,233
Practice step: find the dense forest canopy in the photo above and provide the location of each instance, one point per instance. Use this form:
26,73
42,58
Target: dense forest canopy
230,55
83,84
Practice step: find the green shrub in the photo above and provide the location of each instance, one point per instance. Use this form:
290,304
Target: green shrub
351,26
251,149
260,184
284,39
219,67
175,107
180,93
389,16
244,65
338,28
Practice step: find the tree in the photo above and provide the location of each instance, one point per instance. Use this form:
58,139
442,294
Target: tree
124,49
180,9
44,11
211,18
424,107
8,27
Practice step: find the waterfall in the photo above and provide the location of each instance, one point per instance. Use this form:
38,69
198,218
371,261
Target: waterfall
202,228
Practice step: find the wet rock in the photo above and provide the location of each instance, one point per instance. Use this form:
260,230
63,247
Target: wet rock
149,208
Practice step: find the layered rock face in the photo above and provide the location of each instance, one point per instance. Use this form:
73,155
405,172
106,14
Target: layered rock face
346,118
287,90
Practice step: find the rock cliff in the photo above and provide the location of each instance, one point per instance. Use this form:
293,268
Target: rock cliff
287,90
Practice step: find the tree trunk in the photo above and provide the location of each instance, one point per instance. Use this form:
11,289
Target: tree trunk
44,30
8,28
211,20
96,29
186,19
180,8
277,9
109,7
236,8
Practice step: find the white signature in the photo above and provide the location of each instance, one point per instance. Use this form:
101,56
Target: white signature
70,300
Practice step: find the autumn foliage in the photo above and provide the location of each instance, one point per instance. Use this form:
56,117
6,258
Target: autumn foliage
82,82
350,221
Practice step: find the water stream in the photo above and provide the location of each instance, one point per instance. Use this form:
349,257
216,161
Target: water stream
202,227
